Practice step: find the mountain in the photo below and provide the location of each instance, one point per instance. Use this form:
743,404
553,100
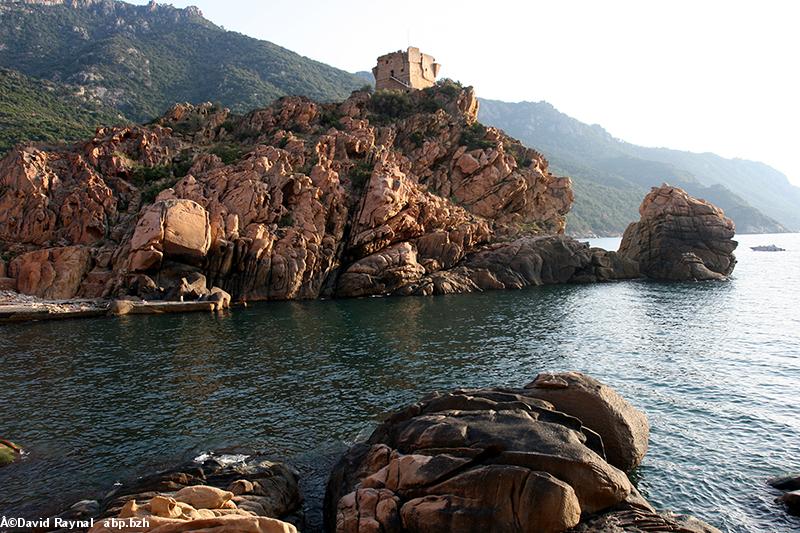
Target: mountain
36,110
140,60
610,176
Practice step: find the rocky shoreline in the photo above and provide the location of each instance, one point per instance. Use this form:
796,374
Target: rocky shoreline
548,457
382,194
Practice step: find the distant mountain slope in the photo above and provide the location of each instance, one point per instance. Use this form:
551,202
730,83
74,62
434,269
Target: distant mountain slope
611,176
36,110
142,59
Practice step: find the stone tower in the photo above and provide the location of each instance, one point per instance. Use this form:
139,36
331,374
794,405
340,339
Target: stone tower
406,71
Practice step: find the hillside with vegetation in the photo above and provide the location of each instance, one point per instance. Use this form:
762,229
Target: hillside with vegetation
610,176
142,59
40,111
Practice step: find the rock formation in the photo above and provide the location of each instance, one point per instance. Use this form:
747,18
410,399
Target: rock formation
680,238
500,460
254,495
381,194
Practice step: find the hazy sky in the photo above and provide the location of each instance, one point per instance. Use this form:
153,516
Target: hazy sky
700,75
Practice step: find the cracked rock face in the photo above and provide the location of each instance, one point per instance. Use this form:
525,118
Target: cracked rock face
380,194
474,460
680,238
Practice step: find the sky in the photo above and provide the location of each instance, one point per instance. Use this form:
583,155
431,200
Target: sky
699,75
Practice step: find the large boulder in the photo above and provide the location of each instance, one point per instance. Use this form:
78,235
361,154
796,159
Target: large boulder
680,238
178,229
474,460
500,460
624,430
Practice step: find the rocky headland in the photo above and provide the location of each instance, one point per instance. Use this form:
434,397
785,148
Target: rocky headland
382,194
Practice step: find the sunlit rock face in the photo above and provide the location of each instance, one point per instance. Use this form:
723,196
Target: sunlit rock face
388,193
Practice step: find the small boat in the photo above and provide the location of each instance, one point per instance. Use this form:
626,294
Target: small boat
769,248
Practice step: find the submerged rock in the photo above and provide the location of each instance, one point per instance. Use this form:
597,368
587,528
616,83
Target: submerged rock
9,452
785,483
495,459
680,238
791,486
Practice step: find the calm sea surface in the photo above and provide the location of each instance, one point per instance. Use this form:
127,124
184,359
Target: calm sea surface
716,367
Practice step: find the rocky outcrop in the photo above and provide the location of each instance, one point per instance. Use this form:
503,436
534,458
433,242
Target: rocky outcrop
381,194
220,494
680,238
496,460
524,262
52,273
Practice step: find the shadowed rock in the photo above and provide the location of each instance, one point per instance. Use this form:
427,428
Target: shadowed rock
680,238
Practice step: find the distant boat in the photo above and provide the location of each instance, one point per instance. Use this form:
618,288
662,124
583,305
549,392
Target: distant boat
770,248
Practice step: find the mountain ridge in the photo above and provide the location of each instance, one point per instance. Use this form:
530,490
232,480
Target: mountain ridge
143,59
602,166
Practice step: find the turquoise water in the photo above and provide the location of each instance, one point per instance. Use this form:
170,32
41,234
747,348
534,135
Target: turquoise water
716,367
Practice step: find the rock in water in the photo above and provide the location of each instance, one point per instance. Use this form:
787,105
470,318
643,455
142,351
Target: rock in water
680,238
767,248
252,495
474,460
624,430
792,501
9,452
497,460
785,483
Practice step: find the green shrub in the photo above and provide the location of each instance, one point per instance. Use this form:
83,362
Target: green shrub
474,137
286,221
330,119
417,138
450,88
228,153
390,105
360,175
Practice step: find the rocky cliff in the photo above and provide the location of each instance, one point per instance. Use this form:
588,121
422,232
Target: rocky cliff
380,194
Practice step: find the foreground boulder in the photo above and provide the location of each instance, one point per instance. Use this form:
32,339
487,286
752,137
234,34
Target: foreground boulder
247,495
680,238
624,430
487,460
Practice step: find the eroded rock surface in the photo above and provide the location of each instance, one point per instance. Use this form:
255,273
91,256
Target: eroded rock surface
624,430
381,194
680,238
498,459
